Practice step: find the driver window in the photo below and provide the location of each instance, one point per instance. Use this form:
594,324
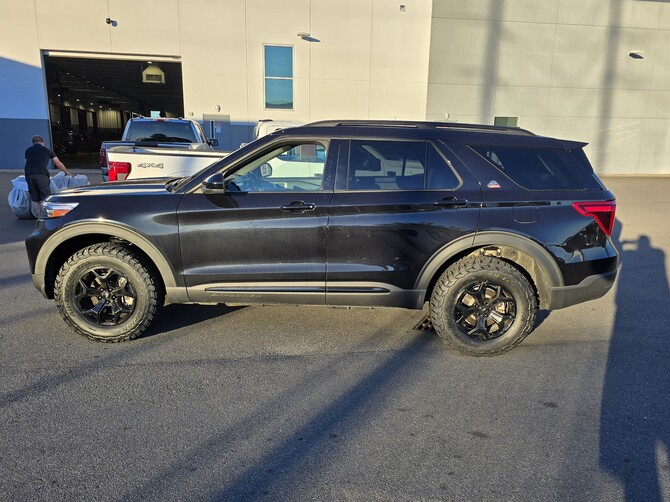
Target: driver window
288,168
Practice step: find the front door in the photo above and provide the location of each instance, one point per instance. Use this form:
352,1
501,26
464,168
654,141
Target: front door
262,239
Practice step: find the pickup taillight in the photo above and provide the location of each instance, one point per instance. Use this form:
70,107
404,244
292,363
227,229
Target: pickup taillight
602,212
103,157
119,170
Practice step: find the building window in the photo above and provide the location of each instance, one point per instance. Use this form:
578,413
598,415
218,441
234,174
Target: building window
278,77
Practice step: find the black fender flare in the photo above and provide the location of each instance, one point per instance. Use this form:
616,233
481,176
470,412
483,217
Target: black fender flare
541,267
443,255
111,229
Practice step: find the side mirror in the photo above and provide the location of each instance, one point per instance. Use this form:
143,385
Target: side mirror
213,142
266,170
213,184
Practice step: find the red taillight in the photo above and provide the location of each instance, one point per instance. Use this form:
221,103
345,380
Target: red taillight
103,157
119,170
602,212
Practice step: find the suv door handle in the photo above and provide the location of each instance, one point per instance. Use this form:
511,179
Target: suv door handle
451,202
299,206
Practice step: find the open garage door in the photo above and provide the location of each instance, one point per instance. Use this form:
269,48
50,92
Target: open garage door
91,97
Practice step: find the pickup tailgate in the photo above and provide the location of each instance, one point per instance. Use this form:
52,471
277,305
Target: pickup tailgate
134,162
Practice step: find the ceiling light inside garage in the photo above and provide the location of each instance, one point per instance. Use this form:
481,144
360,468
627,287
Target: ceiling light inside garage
152,74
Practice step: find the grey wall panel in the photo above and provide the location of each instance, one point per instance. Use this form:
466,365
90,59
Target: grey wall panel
563,68
16,135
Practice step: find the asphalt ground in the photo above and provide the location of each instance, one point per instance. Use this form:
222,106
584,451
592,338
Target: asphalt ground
313,403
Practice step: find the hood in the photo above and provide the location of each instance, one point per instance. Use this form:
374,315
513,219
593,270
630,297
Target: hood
152,186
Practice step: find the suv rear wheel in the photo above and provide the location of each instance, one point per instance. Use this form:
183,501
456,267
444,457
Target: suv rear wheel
106,293
483,306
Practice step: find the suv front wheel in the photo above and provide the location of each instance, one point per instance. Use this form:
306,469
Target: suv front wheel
107,293
483,306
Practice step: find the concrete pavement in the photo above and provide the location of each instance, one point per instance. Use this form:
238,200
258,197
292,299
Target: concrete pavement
290,403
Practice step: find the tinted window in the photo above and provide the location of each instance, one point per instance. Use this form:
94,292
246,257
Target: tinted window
156,130
577,158
440,175
532,168
397,165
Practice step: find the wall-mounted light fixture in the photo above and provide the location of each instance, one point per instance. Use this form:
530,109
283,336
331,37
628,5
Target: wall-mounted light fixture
636,54
307,37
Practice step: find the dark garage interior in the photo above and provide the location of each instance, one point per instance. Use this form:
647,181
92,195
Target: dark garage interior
90,100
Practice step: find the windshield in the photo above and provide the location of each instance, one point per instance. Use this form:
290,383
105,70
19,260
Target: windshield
161,131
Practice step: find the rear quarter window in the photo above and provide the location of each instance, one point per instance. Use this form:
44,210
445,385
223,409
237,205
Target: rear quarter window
534,168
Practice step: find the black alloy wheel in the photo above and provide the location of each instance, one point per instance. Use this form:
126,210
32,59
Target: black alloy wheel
485,310
105,296
483,306
108,292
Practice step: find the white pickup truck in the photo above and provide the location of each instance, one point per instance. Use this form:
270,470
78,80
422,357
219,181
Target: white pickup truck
156,148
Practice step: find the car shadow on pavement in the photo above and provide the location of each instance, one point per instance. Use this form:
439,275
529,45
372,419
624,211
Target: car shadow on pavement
176,316
298,455
22,279
634,429
17,229
173,318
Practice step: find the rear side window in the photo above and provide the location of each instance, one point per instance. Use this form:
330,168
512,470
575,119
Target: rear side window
532,168
398,165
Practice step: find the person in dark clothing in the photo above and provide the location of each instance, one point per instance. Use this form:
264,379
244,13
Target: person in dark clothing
37,172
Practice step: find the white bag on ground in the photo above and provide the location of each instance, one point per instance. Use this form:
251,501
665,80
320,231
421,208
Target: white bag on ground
21,183
79,180
58,182
18,198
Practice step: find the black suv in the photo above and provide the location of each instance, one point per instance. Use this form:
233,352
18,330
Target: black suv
487,224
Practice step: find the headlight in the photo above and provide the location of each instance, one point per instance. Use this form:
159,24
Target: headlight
50,209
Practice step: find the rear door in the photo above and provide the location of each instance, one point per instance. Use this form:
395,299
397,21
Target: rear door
396,204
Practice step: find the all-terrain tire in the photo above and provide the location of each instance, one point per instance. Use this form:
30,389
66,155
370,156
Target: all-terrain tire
107,293
483,306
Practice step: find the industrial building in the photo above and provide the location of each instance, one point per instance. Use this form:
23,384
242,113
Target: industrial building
597,71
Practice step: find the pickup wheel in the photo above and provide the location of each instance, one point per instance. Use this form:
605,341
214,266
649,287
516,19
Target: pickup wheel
483,306
107,293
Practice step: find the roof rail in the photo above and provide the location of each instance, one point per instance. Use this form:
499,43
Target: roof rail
419,125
